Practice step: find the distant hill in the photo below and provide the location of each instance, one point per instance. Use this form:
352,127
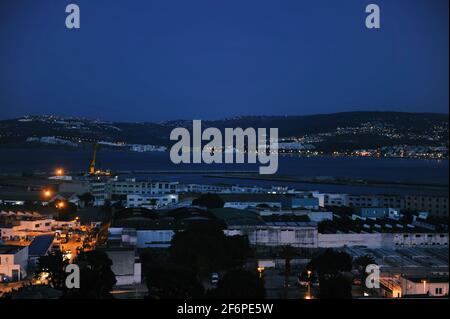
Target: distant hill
350,129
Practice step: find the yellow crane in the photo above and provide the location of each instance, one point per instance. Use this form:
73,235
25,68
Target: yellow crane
94,155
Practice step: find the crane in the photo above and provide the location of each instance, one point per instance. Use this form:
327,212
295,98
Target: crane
94,155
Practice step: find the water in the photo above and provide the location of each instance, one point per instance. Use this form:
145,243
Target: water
385,169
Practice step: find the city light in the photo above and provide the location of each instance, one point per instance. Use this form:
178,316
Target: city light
59,172
47,193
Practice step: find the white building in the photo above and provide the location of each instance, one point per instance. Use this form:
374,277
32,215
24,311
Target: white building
432,286
131,187
335,199
13,262
296,234
26,229
125,265
152,202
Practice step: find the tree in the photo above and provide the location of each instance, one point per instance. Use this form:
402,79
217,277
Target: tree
240,284
52,267
174,282
287,253
96,277
204,248
209,201
361,263
330,267
87,198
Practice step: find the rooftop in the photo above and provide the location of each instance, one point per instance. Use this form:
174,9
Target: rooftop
40,245
9,249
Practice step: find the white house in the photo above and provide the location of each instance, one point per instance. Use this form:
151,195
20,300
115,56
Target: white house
13,262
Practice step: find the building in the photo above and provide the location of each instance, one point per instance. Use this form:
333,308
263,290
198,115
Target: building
143,228
25,229
13,262
313,215
378,212
244,201
133,187
437,206
151,201
305,201
434,286
125,265
40,246
336,200
262,233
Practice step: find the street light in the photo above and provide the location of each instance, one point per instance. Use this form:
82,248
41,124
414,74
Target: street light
47,193
59,172
424,286
309,284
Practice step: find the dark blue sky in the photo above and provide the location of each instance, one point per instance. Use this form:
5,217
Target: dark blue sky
147,60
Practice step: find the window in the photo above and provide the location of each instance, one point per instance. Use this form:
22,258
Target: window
438,291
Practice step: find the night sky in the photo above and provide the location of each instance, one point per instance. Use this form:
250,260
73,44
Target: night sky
147,60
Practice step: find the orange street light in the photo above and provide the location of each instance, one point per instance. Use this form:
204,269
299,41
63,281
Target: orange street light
60,205
59,172
47,193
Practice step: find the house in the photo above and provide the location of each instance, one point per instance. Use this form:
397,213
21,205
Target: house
13,262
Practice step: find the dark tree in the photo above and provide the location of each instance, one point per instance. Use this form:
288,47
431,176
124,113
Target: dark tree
54,265
87,199
96,277
172,282
240,284
361,263
237,250
287,253
205,248
209,201
66,210
330,266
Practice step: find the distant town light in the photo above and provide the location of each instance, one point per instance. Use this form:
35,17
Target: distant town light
59,172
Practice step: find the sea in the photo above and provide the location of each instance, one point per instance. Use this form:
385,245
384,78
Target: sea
158,166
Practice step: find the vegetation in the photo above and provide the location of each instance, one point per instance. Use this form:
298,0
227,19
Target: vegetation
52,268
331,267
171,281
209,201
204,248
240,284
96,277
